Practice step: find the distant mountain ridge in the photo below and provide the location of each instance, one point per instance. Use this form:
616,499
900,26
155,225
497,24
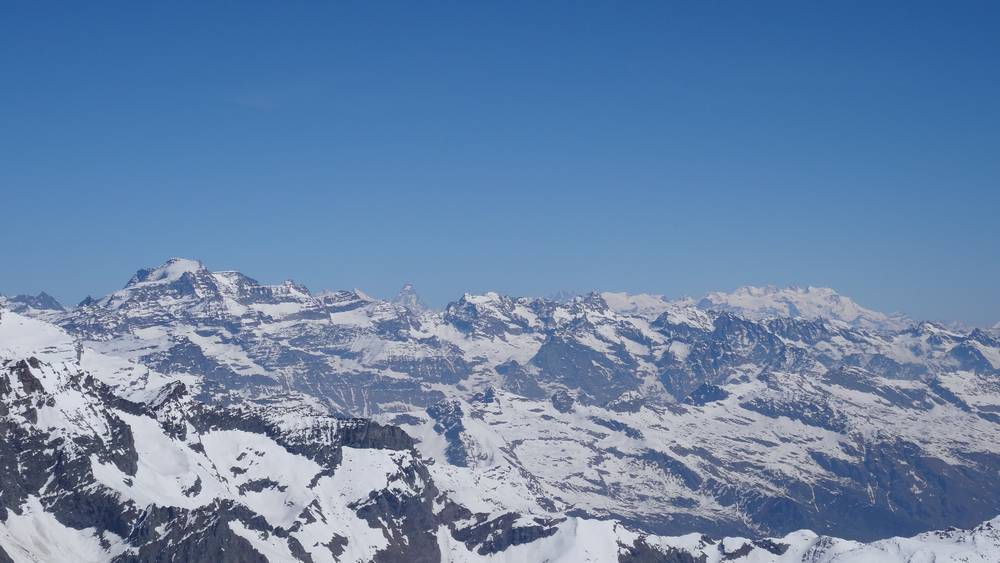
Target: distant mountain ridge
749,301
41,302
808,302
758,302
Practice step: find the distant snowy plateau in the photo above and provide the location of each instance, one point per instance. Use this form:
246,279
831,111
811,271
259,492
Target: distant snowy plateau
202,416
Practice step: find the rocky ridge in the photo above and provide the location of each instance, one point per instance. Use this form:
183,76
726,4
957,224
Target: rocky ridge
689,418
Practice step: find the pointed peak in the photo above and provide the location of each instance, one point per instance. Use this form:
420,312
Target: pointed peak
46,301
408,299
43,302
592,299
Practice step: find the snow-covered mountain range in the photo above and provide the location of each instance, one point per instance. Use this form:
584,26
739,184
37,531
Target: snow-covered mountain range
611,426
808,302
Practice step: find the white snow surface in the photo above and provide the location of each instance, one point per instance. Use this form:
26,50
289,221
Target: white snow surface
168,467
807,302
172,271
520,449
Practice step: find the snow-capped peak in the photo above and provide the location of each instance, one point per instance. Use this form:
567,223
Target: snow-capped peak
42,302
490,297
808,302
169,271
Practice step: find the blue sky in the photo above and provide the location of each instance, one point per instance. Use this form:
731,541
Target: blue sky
519,147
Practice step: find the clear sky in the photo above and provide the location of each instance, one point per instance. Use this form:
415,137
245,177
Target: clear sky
519,147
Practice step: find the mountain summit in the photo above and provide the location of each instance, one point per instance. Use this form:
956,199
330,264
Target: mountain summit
408,298
808,302
41,302
169,271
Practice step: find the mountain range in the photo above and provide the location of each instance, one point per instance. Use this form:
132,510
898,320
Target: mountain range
198,414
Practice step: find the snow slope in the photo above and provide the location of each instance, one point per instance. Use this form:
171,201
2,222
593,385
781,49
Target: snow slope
107,479
538,417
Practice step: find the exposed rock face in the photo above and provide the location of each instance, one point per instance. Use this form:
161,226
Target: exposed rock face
25,303
562,401
42,306
409,300
149,473
157,475
171,478
671,417
706,393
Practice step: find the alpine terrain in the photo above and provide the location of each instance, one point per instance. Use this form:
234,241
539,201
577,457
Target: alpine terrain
202,416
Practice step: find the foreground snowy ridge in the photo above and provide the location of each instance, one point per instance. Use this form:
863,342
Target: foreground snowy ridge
159,477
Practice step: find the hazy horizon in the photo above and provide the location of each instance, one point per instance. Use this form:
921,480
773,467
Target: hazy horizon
436,304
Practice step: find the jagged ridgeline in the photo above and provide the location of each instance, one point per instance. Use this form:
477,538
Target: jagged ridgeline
198,415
